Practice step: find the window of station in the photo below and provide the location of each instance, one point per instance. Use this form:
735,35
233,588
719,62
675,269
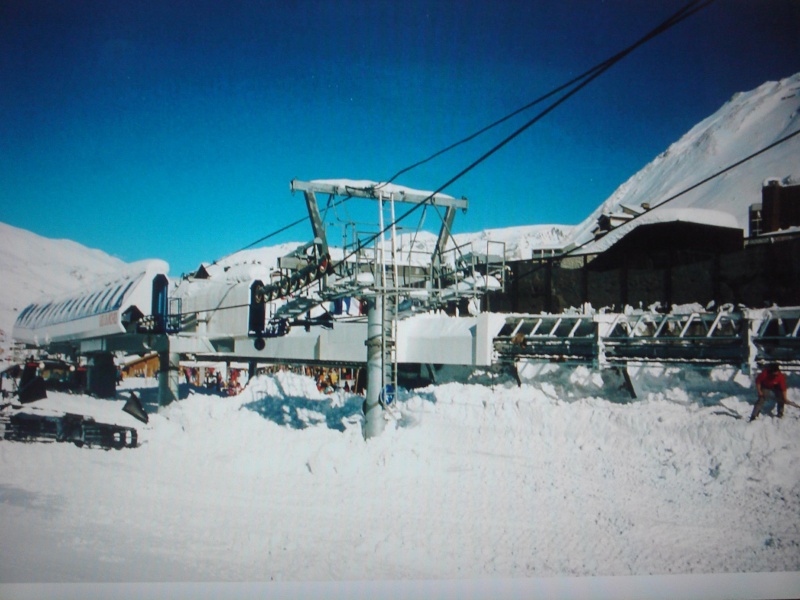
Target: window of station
37,316
59,312
118,299
92,309
61,309
84,306
101,296
68,308
47,315
98,295
106,303
32,315
24,316
74,309
80,306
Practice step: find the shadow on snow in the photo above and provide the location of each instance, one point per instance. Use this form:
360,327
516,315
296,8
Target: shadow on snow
339,412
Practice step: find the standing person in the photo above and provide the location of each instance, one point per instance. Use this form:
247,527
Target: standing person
770,379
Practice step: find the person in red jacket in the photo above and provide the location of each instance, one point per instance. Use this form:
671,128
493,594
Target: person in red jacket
772,379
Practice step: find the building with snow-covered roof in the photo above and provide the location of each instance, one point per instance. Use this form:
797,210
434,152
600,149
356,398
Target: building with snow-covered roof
673,237
134,298
700,256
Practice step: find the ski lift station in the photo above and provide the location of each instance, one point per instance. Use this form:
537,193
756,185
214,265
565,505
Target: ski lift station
373,303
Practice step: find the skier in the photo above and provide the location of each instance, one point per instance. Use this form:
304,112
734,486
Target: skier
772,379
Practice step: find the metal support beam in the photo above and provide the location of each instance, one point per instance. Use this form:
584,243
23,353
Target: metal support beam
444,235
744,338
374,190
168,378
316,220
101,376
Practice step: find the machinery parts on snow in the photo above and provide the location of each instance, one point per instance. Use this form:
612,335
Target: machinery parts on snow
80,430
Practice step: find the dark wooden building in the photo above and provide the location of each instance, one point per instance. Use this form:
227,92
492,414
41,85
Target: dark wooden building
667,263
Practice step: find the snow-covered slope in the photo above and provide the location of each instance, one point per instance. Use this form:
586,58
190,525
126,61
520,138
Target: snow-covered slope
520,242
33,266
249,264
747,123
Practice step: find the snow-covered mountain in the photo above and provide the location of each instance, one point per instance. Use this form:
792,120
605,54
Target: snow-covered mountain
747,123
33,266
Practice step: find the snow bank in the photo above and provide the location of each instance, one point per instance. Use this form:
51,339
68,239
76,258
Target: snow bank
565,475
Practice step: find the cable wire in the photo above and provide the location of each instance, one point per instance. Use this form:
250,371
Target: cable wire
590,74
692,187
683,13
690,9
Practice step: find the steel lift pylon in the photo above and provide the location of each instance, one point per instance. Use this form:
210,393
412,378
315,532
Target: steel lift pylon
383,295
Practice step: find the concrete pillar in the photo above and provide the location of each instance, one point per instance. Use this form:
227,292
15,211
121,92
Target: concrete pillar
168,377
374,421
101,375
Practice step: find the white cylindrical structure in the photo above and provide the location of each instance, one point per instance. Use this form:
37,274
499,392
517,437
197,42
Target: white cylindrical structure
374,421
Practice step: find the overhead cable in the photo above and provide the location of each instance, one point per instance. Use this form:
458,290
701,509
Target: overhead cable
589,75
690,9
686,11
692,187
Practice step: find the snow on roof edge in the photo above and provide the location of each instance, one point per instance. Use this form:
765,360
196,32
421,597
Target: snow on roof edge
701,216
367,184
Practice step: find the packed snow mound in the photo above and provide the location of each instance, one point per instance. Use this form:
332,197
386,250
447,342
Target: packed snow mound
748,122
282,385
559,476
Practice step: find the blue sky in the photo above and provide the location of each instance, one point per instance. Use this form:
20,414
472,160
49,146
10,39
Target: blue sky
172,129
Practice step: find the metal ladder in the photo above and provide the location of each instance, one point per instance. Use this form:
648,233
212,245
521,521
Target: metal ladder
389,288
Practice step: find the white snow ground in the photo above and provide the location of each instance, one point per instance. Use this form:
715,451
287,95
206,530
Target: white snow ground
563,476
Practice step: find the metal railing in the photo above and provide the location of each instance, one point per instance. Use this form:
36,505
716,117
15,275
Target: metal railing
743,337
